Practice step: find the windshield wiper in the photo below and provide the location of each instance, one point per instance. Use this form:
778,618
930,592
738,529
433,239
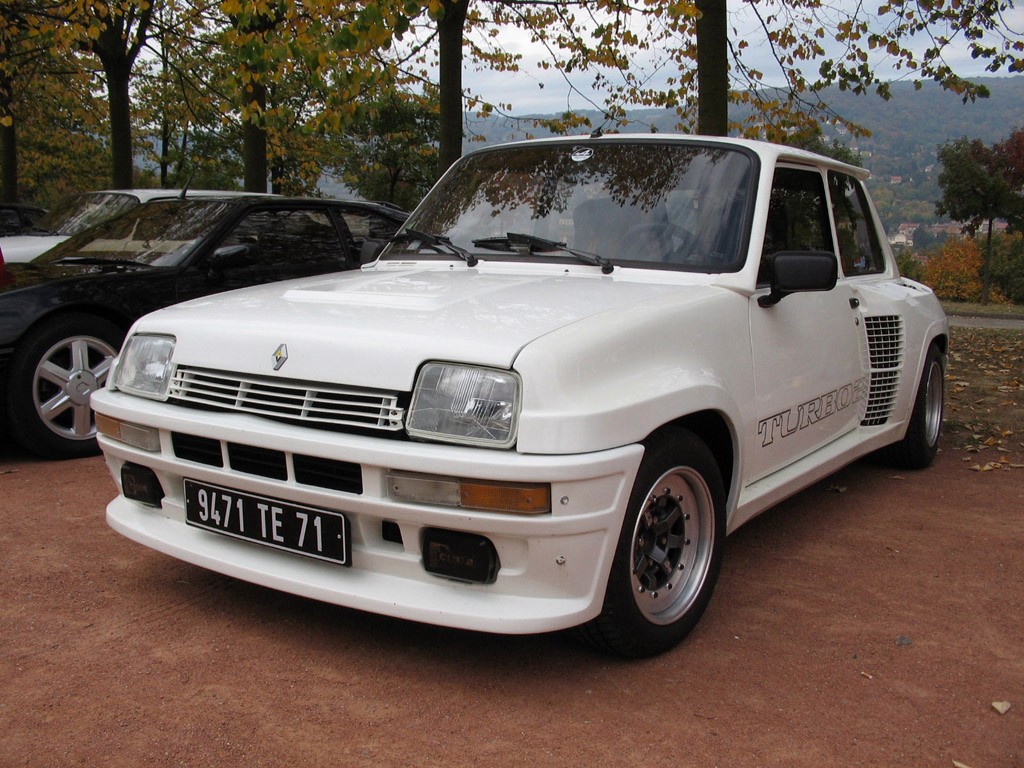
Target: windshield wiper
535,244
437,243
100,261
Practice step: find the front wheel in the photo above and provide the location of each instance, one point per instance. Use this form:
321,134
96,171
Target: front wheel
669,550
55,370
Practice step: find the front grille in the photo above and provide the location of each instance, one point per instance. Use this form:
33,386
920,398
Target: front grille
258,461
315,404
328,473
202,450
264,462
885,348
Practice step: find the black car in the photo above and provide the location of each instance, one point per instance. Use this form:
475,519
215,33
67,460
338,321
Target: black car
63,315
17,218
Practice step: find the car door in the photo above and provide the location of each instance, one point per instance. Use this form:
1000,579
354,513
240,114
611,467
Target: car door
809,370
271,243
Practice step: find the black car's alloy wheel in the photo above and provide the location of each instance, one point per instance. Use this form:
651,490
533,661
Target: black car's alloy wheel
56,369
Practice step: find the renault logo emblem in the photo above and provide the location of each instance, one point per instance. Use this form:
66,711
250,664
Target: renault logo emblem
280,356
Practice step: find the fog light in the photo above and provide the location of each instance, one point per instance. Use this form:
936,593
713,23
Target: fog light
146,438
141,484
460,556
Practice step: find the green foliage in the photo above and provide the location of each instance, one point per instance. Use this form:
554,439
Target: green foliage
974,188
979,185
389,153
60,148
910,265
317,60
814,141
1008,266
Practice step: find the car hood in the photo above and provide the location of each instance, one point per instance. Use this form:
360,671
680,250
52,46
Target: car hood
375,328
21,248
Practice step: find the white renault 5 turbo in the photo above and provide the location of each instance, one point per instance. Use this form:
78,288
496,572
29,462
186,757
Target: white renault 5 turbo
582,363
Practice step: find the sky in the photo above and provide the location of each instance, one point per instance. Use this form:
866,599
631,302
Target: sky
532,90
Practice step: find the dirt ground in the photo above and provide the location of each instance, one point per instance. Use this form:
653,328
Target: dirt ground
872,620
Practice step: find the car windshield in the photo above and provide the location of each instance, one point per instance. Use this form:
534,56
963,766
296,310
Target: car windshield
160,233
78,212
635,203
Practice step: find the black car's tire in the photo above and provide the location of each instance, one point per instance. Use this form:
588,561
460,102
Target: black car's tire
669,551
918,447
55,370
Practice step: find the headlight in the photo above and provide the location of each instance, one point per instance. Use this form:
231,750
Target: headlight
463,404
144,367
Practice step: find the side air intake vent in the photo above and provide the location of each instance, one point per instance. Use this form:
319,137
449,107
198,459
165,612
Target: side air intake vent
886,346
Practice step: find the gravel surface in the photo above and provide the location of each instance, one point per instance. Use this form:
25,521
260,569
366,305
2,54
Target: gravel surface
873,620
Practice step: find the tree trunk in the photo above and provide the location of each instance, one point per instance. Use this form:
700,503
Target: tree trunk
254,142
116,47
986,265
712,68
450,32
122,165
165,150
8,144
277,175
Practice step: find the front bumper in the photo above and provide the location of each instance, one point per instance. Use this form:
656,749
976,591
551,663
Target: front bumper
554,567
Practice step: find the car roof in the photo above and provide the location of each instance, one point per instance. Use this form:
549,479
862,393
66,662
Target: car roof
279,200
23,206
145,195
767,151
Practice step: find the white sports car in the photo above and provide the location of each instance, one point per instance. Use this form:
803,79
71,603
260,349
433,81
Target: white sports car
581,364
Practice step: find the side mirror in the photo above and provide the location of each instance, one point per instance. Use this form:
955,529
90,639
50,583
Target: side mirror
229,256
799,272
370,250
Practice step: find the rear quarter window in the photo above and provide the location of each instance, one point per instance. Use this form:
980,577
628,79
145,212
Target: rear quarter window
860,251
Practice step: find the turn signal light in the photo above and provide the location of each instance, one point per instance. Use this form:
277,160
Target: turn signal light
481,495
146,438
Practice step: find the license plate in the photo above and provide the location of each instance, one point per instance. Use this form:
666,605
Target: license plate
292,527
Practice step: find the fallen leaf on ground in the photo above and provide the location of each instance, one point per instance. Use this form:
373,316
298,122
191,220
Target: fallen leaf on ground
1002,707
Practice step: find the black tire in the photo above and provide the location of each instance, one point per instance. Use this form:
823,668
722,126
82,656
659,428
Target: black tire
669,551
918,447
55,370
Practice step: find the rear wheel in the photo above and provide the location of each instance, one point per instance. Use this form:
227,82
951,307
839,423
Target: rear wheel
55,370
669,550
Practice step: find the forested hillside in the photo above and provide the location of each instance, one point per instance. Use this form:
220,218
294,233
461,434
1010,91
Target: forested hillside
900,152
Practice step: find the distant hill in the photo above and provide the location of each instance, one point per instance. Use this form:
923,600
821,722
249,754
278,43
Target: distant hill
900,152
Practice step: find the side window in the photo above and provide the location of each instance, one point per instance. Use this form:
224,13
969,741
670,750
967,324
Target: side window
9,222
797,217
364,225
859,249
295,236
